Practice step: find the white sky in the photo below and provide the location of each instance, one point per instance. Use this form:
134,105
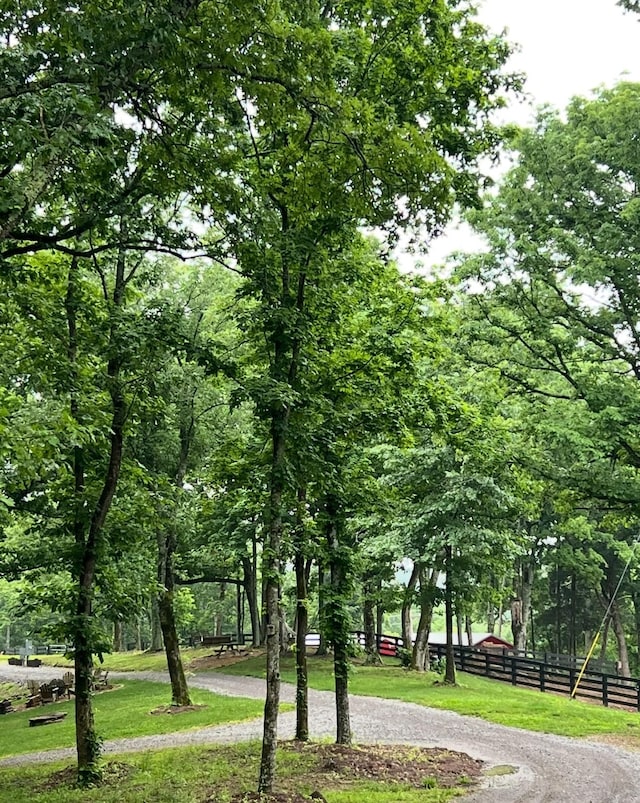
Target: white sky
566,48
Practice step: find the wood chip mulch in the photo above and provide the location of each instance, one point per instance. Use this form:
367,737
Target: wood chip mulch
338,766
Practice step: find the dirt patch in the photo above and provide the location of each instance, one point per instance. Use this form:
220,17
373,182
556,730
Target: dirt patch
337,766
214,661
113,773
628,741
176,709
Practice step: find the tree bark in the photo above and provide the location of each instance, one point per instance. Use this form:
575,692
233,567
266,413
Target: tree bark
420,656
157,643
635,597
407,602
218,626
379,609
118,636
302,617
166,614
322,585
621,640
521,602
369,621
89,541
250,575
271,578
339,623
459,629
450,661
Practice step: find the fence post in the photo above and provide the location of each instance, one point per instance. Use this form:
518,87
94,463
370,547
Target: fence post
605,690
572,678
541,677
514,672
487,663
462,659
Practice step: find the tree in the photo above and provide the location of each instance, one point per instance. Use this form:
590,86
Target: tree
355,114
558,313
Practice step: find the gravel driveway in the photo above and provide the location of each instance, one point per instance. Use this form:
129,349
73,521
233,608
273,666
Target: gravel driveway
550,769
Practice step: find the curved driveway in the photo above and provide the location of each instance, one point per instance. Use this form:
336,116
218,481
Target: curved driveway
550,769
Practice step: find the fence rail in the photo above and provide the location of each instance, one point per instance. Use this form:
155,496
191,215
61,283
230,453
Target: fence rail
546,677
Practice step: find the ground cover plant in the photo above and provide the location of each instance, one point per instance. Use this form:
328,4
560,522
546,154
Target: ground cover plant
123,712
227,773
474,696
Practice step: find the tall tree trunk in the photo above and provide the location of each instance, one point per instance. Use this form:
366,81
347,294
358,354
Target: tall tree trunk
250,575
491,617
271,575
450,661
87,742
558,595
521,602
369,620
240,613
118,636
604,642
379,609
322,589
468,626
89,542
407,601
635,597
339,621
156,629
621,640
166,581
459,629
428,583
218,626
572,617
302,616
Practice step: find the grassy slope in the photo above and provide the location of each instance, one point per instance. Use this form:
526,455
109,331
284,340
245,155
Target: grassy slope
121,713
476,696
127,661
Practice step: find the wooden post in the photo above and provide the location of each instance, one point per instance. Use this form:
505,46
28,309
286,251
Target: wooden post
514,671
605,690
542,677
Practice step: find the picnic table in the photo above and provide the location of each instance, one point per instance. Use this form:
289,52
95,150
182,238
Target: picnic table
223,644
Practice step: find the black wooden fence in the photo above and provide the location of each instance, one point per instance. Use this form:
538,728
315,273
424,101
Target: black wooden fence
535,674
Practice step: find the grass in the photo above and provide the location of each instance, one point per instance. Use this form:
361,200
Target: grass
195,775
474,696
122,713
134,661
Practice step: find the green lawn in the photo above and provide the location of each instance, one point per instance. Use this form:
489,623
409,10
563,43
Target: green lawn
475,696
194,775
134,661
121,713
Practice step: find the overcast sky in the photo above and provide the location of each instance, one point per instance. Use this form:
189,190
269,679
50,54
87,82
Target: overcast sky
565,48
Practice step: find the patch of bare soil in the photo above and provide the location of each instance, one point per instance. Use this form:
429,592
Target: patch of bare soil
628,741
113,773
214,661
339,766
176,709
